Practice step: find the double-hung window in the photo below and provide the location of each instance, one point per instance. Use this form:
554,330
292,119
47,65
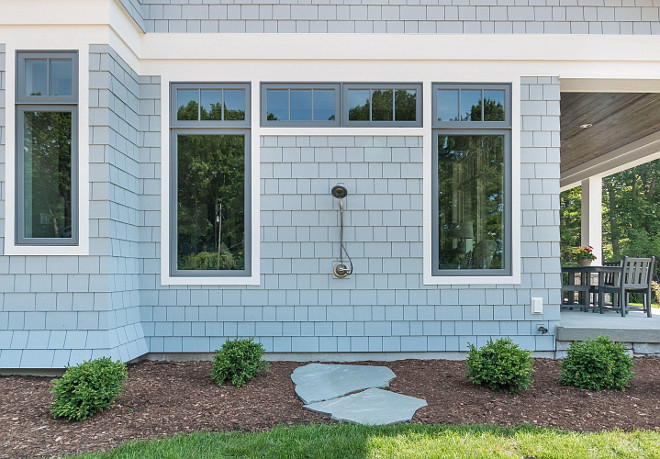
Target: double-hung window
47,148
210,180
471,179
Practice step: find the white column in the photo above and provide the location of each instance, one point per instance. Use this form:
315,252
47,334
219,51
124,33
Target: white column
592,216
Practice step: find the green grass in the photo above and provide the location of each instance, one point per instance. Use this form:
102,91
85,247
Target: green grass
404,441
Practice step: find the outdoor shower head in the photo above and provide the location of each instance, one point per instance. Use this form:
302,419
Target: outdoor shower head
339,191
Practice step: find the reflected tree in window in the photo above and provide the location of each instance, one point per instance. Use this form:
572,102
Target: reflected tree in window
47,174
211,202
471,201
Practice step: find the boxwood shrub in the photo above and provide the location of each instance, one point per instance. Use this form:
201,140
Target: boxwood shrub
87,388
500,364
238,361
597,364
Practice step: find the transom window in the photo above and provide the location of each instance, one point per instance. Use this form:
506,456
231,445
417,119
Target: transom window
341,104
382,105
471,180
47,148
210,180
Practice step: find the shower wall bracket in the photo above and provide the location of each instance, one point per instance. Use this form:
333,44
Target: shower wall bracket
341,269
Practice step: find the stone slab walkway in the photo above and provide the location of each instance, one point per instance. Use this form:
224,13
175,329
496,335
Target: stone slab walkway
317,382
323,389
370,407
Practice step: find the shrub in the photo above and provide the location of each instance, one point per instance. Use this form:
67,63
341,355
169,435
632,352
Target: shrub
597,364
87,388
238,361
500,364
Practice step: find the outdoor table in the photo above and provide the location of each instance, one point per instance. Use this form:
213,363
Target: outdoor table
583,273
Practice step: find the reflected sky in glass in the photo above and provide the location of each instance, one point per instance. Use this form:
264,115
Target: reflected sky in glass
277,104
324,104
187,100
60,77
211,104
234,104
471,105
301,105
494,104
35,77
447,105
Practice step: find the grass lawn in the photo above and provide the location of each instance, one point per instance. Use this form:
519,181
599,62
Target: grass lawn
407,440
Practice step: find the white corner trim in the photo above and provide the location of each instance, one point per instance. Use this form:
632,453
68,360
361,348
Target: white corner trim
43,43
514,278
165,232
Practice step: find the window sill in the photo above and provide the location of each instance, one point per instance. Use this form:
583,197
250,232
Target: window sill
471,280
210,281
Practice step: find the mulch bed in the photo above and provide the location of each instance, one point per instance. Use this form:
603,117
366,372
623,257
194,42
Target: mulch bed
165,398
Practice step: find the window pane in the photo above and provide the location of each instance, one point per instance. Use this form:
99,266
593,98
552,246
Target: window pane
301,105
47,174
210,202
471,201
187,104
358,104
447,105
494,105
471,105
406,105
324,104
35,77
210,104
234,104
383,108
277,104
60,77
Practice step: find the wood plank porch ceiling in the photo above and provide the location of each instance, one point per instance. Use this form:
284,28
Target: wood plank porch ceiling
617,118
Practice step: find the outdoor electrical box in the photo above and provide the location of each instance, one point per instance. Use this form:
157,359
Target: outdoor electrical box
537,305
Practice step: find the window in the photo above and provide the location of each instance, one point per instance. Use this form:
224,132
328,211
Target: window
471,180
47,148
382,105
300,104
210,180
341,104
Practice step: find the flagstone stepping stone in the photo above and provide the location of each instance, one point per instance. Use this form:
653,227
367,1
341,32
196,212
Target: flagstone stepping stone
370,407
316,382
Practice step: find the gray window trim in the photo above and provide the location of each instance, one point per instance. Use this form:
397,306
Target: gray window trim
372,86
45,103
210,128
299,123
174,123
174,271
472,124
20,170
22,56
473,128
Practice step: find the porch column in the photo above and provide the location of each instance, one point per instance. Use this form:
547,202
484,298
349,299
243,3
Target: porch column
592,216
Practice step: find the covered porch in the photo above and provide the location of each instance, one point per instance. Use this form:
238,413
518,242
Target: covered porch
607,126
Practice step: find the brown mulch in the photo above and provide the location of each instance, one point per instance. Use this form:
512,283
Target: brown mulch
165,398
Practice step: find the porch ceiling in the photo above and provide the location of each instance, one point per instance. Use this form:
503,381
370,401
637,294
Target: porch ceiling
618,119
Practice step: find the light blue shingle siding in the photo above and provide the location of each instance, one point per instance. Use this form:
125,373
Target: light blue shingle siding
400,16
67,309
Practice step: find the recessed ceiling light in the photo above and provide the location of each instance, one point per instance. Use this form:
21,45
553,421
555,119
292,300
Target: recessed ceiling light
586,126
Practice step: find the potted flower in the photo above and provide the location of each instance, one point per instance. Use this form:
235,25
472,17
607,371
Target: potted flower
584,255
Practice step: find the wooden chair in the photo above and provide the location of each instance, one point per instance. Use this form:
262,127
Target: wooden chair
635,278
610,279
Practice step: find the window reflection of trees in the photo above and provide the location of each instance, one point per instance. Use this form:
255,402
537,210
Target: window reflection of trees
210,202
470,201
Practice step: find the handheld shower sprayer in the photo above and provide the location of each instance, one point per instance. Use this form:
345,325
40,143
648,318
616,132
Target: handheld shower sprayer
340,269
